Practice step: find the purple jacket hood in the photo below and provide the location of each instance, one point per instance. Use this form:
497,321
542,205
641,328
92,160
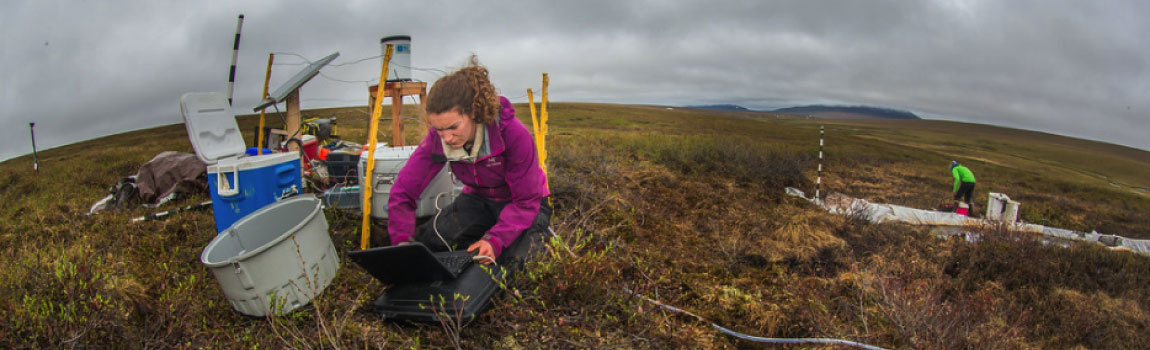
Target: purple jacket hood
509,173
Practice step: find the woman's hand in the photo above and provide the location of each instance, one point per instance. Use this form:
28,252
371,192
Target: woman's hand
482,248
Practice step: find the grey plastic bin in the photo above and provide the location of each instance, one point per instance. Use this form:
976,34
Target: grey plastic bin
279,255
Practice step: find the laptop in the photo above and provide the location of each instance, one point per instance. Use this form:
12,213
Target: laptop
478,283
399,264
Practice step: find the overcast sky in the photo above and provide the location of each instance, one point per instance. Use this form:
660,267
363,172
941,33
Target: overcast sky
85,69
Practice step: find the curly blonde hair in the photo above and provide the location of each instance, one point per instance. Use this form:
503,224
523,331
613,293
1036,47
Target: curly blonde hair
467,90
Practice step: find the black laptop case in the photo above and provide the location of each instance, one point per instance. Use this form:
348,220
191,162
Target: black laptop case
477,284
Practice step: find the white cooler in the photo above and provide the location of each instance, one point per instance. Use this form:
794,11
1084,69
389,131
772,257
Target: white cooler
388,162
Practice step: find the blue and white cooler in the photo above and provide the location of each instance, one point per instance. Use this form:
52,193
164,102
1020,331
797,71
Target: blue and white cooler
239,184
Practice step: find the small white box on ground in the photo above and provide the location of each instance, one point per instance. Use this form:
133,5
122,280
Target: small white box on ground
994,205
999,207
1010,214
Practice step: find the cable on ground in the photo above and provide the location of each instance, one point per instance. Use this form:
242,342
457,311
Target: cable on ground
751,337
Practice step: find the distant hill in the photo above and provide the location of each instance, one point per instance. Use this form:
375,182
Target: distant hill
727,107
838,112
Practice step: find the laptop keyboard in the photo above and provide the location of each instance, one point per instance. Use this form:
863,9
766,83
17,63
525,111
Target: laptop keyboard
455,261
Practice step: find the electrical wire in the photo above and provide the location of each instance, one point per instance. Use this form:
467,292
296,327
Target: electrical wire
435,223
441,72
330,100
751,337
283,118
354,62
291,54
435,220
413,99
325,76
795,340
307,61
293,135
731,332
290,63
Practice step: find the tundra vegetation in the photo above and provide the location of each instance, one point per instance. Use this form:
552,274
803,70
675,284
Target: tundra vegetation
685,206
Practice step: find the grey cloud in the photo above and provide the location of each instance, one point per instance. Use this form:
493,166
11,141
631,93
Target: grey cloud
1043,65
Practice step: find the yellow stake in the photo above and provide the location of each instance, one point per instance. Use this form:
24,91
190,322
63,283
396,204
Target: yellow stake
542,136
260,131
534,122
365,233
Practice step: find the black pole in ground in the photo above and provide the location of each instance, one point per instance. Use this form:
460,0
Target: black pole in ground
35,160
819,179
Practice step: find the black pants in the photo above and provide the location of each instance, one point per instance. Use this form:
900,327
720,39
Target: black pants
469,217
965,191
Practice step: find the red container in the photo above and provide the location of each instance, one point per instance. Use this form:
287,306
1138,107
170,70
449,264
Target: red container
310,147
961,211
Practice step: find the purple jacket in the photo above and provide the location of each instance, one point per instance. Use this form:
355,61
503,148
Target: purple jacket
509,173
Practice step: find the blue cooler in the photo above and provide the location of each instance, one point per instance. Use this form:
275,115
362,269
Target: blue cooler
244,185
239,184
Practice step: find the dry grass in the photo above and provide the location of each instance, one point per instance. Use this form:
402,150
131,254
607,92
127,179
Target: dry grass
681,205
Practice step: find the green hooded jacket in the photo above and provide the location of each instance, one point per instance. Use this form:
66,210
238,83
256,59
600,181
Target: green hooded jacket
961,174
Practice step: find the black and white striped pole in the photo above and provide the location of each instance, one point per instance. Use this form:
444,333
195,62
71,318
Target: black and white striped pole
819,179
35,159
235,53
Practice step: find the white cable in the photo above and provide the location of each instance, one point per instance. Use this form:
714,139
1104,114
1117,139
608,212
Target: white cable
751,337
435,221
435,227
482,257
795,340
565,246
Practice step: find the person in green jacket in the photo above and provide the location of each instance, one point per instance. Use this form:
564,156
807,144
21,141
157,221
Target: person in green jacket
963,183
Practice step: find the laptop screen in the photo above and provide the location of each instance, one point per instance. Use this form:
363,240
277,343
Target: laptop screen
399,264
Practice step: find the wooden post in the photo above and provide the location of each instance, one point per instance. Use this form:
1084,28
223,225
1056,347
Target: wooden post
397,90
260,131
422,100
396,119
371,102
293,118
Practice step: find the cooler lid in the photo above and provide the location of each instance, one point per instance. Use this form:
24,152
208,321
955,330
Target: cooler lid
253,162
211,126
382,152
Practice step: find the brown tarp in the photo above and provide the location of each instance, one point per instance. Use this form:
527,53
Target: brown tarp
170,172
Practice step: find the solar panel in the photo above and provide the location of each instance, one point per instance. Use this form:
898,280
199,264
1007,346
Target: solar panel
295,82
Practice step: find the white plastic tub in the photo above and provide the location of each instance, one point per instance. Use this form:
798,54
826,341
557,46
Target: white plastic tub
276,259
